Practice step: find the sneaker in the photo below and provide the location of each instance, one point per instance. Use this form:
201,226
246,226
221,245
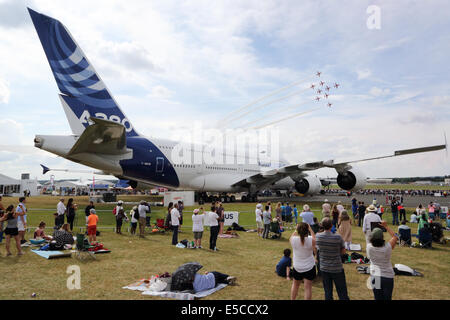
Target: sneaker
231,280
216,249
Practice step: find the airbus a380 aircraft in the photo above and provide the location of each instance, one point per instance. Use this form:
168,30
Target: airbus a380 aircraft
103,138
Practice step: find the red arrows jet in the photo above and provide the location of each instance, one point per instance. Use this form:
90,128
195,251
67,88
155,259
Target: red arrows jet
329,104
317,98
319,91
322,83
326,95
318,73
336,85
312,86
327,88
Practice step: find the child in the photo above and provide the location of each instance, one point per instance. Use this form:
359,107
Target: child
39,232
92,226
283,268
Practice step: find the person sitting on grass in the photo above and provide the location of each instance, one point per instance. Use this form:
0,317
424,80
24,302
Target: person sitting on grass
39,232
63,236
11,230
210,280
283,268
92,226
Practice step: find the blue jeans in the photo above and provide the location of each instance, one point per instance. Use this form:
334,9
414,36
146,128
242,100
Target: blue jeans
1,236
395,218
339,280
175,235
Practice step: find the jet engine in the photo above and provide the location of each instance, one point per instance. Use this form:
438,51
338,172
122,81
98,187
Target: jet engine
351,180
308,185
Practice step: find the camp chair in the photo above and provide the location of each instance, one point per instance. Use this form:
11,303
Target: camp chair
405,236
83,246
425,238
160,224
275,230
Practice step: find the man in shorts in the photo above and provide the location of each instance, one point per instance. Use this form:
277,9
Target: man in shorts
92,226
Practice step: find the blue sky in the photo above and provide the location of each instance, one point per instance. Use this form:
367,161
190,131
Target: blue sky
169,63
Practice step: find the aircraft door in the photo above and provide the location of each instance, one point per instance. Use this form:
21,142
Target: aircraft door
159,164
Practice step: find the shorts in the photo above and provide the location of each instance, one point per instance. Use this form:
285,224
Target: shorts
198,235
259,225
12,232
92,230
20,226
308,275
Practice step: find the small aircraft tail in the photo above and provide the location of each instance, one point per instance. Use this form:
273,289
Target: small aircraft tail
83,93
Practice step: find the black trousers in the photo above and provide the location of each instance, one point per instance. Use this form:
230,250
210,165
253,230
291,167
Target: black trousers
361,219
385,288
220,277
70,220
175,235
213,237
339,280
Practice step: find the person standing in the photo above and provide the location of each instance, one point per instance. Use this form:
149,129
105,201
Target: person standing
288,213
431,210
307,215
335,215
304,264
283,213
278,212
22,219
370,217
61,211
381,271
143,209
175,218
267,218
394,209
168,222
134,218
92,226
87,210
71,212
326,209
345,228
361,213
331,248
11,231
213,219
295,211
221,213
339,207
180,210
197,227
402,212
120,216
259,221
2,212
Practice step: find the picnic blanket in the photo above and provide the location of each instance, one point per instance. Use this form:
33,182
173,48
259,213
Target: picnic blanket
51,254
355,247
185,295
228,236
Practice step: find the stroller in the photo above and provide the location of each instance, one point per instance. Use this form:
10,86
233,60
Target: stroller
275,231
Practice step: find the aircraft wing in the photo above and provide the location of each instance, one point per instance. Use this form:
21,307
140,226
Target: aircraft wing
298,170
102,137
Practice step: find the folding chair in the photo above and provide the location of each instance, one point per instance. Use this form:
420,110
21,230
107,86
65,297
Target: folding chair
425,238
83,247
405,237
275,229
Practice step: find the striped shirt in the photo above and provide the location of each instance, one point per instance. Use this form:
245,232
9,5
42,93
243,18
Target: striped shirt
330,246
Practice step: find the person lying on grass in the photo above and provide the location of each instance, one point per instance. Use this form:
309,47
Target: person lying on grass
210,280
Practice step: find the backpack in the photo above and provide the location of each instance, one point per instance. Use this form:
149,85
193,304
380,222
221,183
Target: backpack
136,214
356,256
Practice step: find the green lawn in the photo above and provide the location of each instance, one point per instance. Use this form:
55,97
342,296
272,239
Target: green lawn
249,258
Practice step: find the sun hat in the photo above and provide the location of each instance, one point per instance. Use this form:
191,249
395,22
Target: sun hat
196,210
326,200
376,234
259,205
372,208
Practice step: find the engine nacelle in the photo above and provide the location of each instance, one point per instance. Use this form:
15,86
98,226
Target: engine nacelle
351,180
308,185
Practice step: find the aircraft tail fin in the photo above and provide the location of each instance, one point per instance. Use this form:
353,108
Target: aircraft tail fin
83,93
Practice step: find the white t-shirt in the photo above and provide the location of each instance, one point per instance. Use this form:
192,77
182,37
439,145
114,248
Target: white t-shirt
133,220
258,214
380,260
340,207
60,208
175,217
142,209
197,222
303,258
368,218
212,219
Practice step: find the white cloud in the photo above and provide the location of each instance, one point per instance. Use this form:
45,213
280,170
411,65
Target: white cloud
4,91
363,74
379,92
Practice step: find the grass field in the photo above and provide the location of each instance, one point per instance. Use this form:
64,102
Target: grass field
249,258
